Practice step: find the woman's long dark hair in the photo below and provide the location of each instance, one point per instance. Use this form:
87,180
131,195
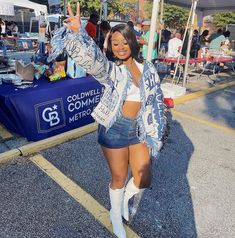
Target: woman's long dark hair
130,37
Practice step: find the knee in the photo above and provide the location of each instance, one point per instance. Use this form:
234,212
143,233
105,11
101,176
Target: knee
118,181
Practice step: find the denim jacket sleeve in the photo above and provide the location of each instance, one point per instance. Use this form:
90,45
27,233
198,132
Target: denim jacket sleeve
159,109
84,51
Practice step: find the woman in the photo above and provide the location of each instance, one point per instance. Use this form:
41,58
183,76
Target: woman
103,30
3,27
226,44
203,43
130,112
195,45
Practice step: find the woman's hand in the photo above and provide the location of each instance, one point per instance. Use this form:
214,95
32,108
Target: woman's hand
73,22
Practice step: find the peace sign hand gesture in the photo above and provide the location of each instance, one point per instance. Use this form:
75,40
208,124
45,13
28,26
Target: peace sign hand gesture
73,22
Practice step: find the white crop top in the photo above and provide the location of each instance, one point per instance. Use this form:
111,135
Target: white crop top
133,93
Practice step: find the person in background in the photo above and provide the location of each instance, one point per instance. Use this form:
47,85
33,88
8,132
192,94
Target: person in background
226,44
3,34
195,47
131,25
130,112
15,29
42,38
203,43
9,26
139,27
216,40
144,39
91,25
166,35
3,27
103,30
174,47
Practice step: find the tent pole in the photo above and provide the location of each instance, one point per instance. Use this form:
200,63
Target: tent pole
161,22
30,26
65,8
155,10
185,32
100,18
22,20
105,9
189,42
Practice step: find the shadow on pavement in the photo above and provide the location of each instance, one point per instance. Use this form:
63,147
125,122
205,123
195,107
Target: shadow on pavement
221,106
166,210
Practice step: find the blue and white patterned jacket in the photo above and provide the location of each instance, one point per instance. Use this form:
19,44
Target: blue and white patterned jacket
116,79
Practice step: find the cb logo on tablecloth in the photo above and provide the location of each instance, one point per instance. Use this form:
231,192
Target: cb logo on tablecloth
50,115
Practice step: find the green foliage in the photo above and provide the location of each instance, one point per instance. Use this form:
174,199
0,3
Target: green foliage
148,8
223,18
115,7
88,7
173,16
123,8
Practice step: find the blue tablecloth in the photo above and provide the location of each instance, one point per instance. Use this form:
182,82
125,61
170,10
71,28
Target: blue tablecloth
49,108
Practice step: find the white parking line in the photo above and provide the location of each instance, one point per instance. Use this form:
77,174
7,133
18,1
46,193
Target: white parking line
202,121
86,200
229,91
4,133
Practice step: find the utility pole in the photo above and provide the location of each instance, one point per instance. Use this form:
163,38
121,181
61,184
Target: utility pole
105,9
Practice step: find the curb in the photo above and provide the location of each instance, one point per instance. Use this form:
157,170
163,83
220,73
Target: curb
46,143
11,154
76,133
192,96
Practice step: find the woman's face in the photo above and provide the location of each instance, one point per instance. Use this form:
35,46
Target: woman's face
120,47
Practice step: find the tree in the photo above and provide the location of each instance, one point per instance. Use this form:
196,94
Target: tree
87,7
174,17
223,18
123,8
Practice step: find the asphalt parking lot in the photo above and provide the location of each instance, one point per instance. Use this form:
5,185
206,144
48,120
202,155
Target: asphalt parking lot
63,191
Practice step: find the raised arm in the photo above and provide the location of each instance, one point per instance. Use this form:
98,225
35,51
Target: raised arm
82,49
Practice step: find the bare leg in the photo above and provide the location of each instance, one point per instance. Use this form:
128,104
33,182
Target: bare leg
140,165
118,163
117,160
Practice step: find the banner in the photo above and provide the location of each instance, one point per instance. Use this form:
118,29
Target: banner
54,6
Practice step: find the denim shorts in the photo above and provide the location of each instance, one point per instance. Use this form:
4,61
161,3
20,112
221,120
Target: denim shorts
121,134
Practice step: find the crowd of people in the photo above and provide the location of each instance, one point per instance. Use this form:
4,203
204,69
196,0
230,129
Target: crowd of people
8,28
201,44
171,44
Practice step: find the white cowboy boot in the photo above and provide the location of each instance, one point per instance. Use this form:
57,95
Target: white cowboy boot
116,199
130,191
